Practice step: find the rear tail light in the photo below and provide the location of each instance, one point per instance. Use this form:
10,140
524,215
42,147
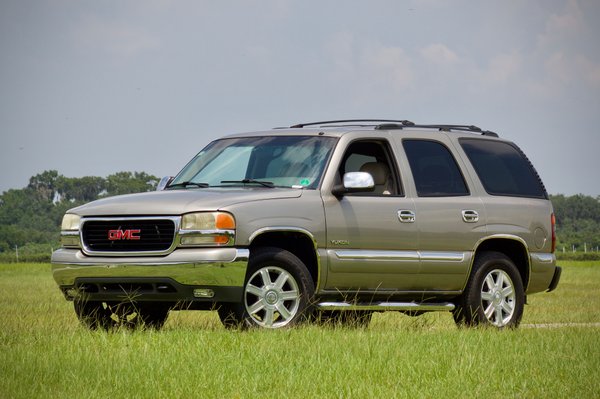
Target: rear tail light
553,222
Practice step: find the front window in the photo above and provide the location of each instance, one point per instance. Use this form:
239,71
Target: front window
274,161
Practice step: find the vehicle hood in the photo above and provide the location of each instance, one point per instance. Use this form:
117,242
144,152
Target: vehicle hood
177,202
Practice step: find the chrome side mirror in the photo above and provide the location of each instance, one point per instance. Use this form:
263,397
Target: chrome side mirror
355,182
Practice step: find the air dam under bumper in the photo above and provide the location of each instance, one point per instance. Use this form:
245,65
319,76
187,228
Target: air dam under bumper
183,275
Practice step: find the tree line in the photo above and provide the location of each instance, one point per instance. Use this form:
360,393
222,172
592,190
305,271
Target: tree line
577,222
30,217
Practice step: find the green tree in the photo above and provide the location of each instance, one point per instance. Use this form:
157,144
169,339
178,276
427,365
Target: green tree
82,189
128,182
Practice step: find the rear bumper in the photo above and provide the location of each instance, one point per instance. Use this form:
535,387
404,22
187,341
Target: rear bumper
555,279
210,275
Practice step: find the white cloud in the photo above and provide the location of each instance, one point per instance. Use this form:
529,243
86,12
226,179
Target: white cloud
439,54
502,68
387,66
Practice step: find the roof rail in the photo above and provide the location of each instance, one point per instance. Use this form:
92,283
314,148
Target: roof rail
443,128
395,122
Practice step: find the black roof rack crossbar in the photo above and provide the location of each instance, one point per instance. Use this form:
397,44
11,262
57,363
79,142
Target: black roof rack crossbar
444,128
401,122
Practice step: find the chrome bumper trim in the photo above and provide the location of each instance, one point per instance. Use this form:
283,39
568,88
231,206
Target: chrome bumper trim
198,266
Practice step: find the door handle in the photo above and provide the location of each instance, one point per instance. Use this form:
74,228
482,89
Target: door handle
470,216
406,216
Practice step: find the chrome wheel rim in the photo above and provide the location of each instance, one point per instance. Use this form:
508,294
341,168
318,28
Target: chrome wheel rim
272,297
498,298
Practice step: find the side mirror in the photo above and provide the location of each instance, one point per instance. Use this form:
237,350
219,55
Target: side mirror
355,182
164,182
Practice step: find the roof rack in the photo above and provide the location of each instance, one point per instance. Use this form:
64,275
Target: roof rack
403,123
442,128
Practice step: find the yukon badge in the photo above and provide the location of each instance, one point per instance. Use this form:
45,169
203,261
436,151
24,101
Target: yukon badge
340,242
130,234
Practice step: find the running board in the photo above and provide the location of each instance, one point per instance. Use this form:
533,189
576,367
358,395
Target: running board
399,306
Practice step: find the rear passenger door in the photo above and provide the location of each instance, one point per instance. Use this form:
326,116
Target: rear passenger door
450,219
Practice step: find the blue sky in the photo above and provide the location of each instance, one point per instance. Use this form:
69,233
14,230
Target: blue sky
96,87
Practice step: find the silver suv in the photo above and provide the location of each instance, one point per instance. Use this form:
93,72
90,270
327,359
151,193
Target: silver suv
329,221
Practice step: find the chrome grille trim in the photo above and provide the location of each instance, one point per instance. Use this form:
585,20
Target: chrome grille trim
176,220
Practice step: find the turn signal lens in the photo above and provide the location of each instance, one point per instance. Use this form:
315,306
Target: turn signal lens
224,221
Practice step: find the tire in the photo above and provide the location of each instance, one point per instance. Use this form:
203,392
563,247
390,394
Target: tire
114,315
494,294
277,292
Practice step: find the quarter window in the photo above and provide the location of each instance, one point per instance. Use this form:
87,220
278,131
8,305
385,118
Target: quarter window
503,169
434,169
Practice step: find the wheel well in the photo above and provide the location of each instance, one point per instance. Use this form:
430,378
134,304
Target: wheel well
514,249
297,243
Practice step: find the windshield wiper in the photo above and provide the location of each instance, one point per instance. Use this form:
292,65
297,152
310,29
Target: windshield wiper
188,183
246,181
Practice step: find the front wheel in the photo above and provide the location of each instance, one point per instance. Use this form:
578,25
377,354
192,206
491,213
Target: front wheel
277,292
494,294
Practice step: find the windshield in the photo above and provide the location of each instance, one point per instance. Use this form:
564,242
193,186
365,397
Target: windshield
274,161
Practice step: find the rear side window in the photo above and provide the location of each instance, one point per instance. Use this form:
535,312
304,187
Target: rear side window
434,169
503,168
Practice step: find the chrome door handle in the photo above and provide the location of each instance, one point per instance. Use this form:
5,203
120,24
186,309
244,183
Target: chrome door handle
470,216
406,216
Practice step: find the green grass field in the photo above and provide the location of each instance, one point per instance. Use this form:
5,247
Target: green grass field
44,352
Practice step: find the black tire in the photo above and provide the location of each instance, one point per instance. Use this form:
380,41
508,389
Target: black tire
277,292
114,315
494,294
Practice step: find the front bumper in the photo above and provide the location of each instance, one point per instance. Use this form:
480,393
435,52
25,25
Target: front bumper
183,275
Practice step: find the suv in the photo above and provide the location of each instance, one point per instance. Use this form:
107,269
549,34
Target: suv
329,221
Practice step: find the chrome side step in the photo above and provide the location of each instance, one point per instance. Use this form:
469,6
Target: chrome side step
398,306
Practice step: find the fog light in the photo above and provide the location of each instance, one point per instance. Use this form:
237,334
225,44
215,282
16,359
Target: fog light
72,293
203,293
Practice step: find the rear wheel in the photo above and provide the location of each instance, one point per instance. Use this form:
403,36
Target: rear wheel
494,294
277,292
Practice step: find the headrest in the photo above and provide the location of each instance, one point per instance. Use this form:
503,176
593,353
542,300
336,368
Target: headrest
378,170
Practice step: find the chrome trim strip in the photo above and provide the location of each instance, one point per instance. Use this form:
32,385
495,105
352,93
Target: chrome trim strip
542,257
442,256
69,233
398,306
206,232
383,255
348,254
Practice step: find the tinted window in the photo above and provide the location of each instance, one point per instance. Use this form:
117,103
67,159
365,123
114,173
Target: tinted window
434,169
503,169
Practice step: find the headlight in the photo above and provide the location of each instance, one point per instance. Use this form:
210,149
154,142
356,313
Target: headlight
207,229
69,235
208,221
70,222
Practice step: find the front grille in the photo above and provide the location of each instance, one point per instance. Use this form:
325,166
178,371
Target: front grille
155,235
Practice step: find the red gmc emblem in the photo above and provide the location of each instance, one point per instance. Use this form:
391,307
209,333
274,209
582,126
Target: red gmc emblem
131,234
